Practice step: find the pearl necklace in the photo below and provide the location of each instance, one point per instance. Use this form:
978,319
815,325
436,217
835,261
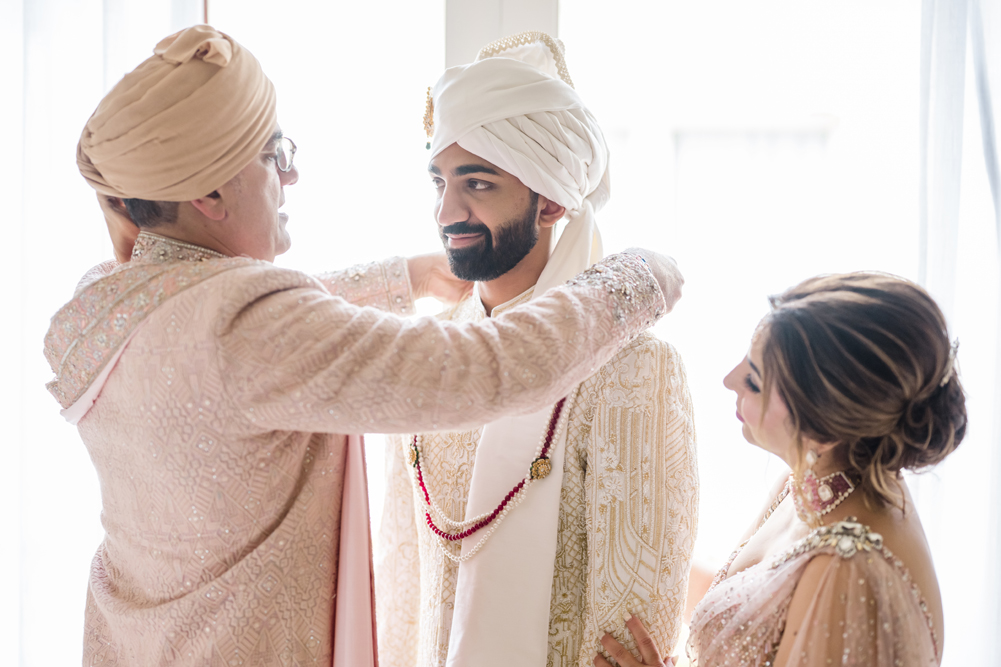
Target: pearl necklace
456,531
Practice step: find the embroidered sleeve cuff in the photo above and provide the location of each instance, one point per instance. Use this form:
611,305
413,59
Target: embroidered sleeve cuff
629,286
384,285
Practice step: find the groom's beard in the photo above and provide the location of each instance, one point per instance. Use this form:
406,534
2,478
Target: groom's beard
490,257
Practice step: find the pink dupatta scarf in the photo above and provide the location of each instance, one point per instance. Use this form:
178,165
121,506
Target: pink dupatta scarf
354,608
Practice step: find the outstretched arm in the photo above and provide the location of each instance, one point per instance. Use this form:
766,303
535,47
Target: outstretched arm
393,284
306,361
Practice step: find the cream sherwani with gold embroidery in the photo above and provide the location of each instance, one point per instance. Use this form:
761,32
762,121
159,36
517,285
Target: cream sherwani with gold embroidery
627,516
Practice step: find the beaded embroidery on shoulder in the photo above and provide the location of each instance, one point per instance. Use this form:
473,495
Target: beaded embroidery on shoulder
85,334
846,538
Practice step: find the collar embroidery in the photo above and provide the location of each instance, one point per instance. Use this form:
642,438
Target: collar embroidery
87,331
153,248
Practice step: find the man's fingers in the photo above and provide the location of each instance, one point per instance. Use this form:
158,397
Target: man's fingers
619,652
601,662
649,651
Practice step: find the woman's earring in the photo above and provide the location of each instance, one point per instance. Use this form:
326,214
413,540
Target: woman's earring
806,495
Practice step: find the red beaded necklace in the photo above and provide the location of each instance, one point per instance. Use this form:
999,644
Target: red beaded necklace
539,469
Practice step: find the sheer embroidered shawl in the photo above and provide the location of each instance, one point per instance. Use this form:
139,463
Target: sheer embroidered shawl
867,608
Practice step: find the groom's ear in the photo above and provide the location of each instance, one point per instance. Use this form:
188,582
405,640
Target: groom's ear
550,212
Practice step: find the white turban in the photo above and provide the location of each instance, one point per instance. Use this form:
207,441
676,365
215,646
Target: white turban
515,107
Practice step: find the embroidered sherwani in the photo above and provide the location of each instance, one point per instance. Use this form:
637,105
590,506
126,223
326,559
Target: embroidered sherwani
222,385
627,516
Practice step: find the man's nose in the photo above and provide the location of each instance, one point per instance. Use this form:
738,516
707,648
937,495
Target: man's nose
290,177
450,208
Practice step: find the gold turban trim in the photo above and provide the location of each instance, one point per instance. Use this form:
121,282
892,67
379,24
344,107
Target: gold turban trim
182,123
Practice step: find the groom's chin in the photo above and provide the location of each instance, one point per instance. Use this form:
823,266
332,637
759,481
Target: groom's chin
465,265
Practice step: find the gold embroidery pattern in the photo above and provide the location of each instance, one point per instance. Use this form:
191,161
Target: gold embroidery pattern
627,517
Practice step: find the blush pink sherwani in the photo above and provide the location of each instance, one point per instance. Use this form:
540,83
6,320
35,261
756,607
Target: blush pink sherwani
210,393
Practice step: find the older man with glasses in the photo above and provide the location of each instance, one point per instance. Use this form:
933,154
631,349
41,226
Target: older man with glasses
210,387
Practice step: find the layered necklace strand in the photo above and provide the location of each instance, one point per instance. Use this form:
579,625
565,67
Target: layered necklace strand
458,530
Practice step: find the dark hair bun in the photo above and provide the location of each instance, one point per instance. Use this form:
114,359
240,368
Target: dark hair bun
861,359
932,428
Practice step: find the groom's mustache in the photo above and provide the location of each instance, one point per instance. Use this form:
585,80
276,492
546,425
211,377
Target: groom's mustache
466,228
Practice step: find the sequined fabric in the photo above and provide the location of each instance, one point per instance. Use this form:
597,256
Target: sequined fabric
215,438
86,332
627,517
867,610
383,285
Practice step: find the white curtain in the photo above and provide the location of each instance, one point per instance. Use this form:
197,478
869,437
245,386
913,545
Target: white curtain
59,56
959,264
985,43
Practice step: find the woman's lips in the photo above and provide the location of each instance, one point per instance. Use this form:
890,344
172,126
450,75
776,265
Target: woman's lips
739,417
462,240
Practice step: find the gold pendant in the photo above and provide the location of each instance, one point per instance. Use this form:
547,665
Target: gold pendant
541,468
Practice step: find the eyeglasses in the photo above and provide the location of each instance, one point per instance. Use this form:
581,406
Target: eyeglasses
286,153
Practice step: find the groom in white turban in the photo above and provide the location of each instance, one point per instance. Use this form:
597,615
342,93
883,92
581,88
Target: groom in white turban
524,540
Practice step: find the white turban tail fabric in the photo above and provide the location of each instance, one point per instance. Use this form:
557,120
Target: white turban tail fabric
184,122
532,125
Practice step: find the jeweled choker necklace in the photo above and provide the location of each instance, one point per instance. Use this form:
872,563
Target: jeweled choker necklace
823,494
540,468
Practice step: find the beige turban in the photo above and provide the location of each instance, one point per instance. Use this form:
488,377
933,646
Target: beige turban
516,108
183,123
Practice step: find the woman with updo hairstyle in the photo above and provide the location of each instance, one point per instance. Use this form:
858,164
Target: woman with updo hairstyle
850,379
